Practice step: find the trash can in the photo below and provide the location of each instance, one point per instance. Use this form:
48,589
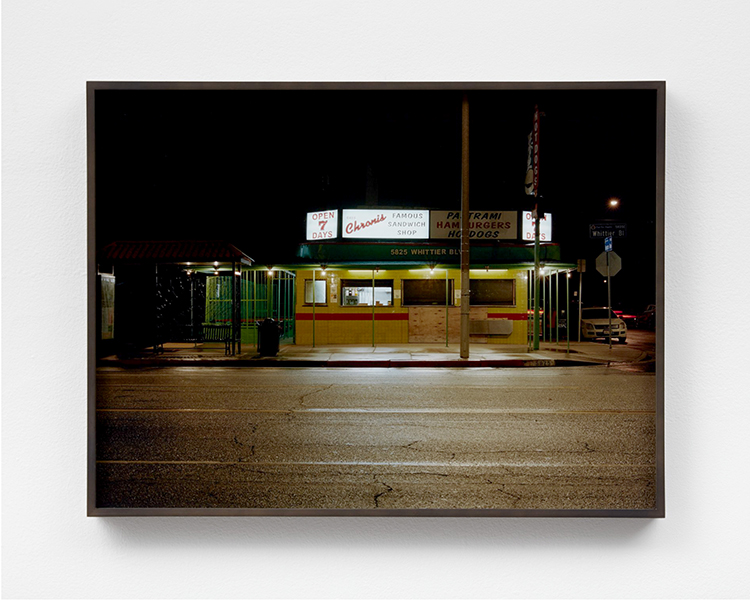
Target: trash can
269,333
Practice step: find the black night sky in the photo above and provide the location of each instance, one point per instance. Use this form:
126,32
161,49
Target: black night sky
245,166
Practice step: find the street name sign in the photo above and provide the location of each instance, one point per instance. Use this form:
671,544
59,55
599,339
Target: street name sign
615,264
603,230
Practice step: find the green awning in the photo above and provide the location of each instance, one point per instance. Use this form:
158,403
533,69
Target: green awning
394,255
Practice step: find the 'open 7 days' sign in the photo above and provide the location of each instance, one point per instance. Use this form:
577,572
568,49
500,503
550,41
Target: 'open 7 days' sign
322,225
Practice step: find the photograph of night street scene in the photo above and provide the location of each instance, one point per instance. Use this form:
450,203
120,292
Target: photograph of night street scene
316,297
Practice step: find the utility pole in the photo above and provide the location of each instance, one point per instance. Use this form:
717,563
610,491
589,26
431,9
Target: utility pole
465,285
537,281
537,217
581,271
609,300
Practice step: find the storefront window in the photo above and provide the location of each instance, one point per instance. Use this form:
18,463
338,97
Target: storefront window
426,292
359,292
493,292
319,291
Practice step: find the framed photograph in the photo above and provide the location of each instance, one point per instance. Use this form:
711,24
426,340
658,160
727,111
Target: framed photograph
376,299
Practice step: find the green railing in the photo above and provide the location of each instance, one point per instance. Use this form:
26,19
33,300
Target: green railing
263,294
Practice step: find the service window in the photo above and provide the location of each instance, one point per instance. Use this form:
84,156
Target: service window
318,292
493,292
426,292
359,292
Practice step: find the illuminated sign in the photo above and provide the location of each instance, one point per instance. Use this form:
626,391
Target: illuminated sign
483,225
545,228
386,224
322,225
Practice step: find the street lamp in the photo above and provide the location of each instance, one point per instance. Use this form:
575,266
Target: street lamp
614,203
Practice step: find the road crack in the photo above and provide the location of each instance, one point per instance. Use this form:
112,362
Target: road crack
379,494
301,399
516,497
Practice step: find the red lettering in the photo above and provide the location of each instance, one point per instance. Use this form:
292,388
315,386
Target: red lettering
356,226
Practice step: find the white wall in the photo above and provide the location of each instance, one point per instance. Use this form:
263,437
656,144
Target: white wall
51,48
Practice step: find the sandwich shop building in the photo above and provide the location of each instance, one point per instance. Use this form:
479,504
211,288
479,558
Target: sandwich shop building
392,276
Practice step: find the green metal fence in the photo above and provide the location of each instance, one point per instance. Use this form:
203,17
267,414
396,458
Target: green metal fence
263,294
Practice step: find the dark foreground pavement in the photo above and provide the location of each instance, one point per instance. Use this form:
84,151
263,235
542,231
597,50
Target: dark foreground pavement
574,438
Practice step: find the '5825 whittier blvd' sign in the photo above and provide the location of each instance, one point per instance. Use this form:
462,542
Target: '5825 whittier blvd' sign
386,224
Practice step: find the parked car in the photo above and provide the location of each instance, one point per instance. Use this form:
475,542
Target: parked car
595,324
647,319
631,321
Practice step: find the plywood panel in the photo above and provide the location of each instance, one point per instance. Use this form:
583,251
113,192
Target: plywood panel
427,324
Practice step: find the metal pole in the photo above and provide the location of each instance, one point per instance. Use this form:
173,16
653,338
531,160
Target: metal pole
537,278
580,301
538,217
373,308
269,295
239,308
294,307
447,299
465,289
557,307
549,310
278,296
287,311
529,296
313,303
155,327
544,308
255,308
232,309
609,301
567,309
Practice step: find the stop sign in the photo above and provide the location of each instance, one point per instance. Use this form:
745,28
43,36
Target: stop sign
615,263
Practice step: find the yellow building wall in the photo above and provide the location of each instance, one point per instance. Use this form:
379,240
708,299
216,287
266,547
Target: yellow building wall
335,324
519,311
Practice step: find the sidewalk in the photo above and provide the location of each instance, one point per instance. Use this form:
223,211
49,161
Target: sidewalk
549,354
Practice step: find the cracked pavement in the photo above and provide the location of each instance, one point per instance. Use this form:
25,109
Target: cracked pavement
384,438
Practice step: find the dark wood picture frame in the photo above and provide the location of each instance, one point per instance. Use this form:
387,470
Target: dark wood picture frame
658,88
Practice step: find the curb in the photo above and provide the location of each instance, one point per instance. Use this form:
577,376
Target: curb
269,362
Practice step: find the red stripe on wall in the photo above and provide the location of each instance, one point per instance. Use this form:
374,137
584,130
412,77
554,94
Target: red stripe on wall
511,316
352,317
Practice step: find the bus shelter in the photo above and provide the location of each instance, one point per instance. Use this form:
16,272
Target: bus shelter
153,295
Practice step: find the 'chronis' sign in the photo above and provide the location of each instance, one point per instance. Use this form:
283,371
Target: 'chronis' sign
483,225
322,225
386,224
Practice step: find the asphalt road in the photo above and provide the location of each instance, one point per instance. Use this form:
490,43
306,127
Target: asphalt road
541,438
